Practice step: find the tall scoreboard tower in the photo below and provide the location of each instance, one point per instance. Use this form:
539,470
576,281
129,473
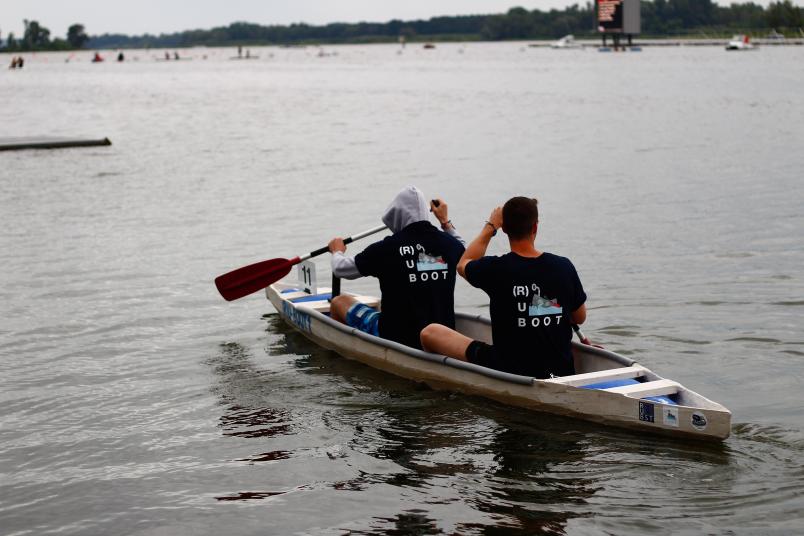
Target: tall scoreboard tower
618,18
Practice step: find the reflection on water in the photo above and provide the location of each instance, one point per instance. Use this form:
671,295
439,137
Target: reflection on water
237,375
466,463
514,471
250,495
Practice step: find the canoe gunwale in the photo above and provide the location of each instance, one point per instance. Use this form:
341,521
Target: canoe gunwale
444,360
415,353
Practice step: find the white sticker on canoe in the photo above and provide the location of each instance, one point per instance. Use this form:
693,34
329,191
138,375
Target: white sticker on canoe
670,416
698,421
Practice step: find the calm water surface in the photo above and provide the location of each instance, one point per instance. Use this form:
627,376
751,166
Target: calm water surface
133,400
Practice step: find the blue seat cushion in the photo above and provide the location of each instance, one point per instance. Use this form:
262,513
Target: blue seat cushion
628,381
611,383
314,297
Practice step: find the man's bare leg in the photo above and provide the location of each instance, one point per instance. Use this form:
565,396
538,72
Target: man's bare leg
340,306
442,340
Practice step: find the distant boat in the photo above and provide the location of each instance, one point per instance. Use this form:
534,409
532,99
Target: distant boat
429,45
568,41
246,56
740,42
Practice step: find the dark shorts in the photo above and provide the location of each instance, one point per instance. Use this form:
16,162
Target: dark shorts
482,354
364,318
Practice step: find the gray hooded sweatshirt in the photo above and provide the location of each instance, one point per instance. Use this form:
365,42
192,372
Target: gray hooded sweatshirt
409,206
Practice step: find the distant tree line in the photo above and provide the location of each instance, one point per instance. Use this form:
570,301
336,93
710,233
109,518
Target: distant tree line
678,17
442,28
659,18
37,37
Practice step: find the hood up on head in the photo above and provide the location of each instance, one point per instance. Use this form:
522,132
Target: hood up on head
408,206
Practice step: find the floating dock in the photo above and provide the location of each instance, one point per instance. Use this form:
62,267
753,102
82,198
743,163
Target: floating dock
18,144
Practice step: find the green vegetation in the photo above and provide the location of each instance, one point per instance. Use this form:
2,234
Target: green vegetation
659,18
36,37
76,36
684,17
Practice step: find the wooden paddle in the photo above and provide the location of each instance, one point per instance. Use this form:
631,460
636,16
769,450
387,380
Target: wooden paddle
257,276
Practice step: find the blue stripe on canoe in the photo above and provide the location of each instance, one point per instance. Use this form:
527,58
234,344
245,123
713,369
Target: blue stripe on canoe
611,383
289,290
314,297
628,381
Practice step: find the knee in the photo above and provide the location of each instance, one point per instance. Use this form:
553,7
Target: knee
339,307
430,335
339,301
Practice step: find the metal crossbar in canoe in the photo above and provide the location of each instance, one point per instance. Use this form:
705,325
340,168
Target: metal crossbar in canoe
609,388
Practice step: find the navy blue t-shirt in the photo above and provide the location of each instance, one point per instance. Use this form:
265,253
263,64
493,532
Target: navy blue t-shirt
416,269
532,300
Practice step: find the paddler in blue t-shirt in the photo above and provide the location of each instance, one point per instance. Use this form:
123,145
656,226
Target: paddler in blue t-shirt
535,298
416,268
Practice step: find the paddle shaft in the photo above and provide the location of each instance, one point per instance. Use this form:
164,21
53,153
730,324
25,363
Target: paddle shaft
349,240
580,334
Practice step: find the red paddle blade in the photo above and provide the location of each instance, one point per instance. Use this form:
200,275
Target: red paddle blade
254,277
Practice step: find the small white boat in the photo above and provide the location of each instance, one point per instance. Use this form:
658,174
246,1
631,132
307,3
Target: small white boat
608,388
740,42
568,41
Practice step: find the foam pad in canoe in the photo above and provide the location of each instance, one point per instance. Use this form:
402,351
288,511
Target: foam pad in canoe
314,297
628,381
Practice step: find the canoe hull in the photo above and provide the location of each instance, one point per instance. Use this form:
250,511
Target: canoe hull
706,420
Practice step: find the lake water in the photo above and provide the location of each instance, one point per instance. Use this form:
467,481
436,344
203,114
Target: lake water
134,400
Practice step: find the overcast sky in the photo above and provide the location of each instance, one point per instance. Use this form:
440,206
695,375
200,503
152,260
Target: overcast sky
167,16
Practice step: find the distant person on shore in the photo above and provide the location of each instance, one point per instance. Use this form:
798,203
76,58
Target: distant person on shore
176,55
13,64
535,298
97,58
167,56
121,57
239,51
416,268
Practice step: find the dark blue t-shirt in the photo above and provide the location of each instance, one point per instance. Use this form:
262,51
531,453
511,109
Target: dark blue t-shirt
532,300
416,269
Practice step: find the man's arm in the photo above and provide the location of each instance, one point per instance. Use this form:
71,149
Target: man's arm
579,315
342,266
439,209
477,248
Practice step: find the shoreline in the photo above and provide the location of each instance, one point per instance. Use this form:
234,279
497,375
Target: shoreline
536,43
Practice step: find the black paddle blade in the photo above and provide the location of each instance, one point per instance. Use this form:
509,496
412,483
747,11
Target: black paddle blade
254,277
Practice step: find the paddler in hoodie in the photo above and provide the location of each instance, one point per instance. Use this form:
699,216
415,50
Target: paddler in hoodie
415,266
